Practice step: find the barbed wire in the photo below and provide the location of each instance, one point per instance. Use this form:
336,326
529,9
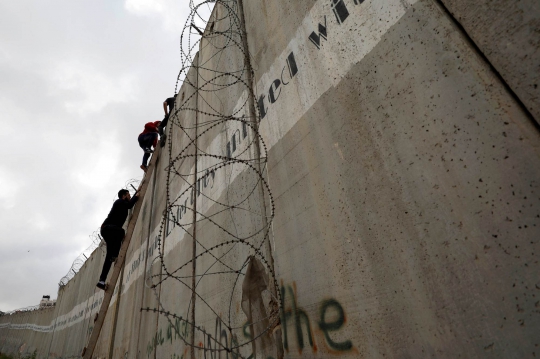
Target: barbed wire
26,309
234,227
95,237
229,234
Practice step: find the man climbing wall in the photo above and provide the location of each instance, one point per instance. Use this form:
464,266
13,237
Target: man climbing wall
112,231
168,106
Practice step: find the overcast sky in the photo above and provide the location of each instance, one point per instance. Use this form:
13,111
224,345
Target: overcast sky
78,80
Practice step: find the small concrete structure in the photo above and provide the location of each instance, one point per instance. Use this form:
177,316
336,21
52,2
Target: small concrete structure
46,302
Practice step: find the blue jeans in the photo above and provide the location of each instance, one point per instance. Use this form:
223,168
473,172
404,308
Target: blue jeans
146,141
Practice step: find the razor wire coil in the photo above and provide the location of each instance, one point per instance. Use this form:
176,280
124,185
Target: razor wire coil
216,79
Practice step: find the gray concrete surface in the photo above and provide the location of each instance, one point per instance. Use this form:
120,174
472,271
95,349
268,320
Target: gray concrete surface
508,34
405,181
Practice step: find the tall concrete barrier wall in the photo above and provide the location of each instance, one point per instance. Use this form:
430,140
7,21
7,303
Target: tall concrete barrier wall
376,197
506,32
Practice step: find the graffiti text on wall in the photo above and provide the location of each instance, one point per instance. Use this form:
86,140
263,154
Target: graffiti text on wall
296,325
341,12
299,330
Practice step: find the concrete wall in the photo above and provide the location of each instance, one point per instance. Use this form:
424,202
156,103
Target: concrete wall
404,177
507,33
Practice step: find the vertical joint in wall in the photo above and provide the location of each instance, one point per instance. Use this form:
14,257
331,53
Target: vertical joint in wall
476,48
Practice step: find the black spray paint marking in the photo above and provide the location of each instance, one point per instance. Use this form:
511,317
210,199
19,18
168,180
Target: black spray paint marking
299,320
275,88
323,33
236,140
341,12
335,325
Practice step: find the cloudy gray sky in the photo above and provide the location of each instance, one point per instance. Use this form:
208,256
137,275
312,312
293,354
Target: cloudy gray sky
78,80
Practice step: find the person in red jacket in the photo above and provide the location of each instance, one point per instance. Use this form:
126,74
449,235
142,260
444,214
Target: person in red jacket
147,139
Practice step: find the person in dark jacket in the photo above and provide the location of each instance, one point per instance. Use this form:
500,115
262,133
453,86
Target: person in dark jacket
112,231
147,139
168,106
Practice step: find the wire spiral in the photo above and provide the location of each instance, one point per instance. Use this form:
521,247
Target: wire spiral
217,197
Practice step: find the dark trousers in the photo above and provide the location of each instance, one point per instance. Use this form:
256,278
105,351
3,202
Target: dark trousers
146,141
163,124
113,236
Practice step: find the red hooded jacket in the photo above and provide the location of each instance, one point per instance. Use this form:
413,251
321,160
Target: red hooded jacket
151,127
